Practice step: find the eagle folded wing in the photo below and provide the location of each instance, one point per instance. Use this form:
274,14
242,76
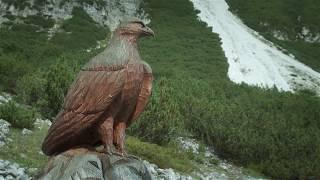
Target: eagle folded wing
88,99
144,94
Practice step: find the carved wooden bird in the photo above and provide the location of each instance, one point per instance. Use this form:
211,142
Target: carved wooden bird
109,93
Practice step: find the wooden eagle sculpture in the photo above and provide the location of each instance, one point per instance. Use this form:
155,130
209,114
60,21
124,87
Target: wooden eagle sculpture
109,93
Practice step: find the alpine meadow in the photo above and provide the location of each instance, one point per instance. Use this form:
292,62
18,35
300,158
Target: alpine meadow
266,130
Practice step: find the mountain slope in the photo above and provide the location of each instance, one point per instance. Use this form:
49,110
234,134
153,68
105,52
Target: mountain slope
293,24
251,58
274,133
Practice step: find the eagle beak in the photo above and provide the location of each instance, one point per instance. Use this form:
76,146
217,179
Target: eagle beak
148,31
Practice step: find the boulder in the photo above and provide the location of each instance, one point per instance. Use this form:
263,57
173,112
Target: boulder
85,164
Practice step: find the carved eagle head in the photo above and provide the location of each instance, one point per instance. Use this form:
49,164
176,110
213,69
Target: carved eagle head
133,28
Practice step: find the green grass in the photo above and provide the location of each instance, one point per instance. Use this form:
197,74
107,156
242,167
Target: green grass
18,116
283,15
163,156
25,150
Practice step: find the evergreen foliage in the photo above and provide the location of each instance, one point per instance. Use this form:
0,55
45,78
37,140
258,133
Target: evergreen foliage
58,80
18,116
24,49
161,120
273,132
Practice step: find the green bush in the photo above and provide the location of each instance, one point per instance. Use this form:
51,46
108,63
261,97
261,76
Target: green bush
271,131
17,116
161,120
39,20
58,79
11,68
163,156
24,49
31,89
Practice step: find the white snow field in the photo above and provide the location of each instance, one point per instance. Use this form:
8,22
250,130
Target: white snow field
252,59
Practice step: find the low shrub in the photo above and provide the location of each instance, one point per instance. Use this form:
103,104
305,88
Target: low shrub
58,79
17,116
161,120
163,156
31,89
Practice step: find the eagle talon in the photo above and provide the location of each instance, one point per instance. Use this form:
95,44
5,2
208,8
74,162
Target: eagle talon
121,153
108,150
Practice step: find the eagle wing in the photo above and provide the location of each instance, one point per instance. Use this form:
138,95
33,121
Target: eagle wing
88,99
144,94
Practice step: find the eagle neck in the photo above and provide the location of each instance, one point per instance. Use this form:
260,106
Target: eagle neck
127,46
120,51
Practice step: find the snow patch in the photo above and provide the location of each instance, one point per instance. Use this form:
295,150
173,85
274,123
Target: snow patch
251,58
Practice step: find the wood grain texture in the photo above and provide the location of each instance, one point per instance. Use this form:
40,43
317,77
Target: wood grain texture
106,97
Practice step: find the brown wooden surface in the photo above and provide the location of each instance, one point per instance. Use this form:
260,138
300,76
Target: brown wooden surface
109,93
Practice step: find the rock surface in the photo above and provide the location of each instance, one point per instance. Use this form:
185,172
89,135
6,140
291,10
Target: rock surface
4,98
84,164
4,130
212,166
165,174
104,12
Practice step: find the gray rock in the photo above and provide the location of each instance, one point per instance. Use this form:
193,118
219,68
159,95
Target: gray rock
26,131
164,174
4,130
109,13
42,123
4,97
10,170
84,164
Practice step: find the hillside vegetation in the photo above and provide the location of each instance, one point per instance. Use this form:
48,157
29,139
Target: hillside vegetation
270,131
290,17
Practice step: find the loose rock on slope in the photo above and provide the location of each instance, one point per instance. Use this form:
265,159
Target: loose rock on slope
12,171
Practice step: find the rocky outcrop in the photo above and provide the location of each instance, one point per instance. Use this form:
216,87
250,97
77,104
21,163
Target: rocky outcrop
104,12
84,164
